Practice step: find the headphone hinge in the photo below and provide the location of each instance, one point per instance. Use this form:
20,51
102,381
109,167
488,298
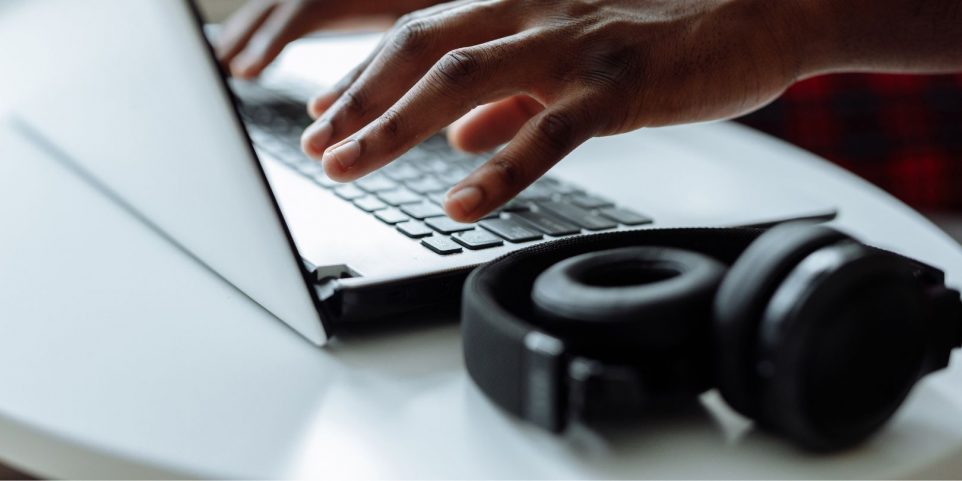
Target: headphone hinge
945,327
599,392
542,402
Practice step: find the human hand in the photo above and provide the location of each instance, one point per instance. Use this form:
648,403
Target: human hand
550,75
258,31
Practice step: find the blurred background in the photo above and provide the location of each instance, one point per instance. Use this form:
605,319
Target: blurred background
903,133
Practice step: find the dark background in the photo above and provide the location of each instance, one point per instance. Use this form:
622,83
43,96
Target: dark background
903,133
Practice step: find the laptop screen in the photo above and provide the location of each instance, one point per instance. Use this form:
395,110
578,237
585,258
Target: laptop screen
127,95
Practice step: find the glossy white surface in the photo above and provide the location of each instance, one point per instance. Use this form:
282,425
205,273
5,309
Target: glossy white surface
119,357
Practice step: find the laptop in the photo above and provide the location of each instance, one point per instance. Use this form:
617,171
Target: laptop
127,94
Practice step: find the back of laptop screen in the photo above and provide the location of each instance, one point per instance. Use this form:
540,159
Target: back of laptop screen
128,90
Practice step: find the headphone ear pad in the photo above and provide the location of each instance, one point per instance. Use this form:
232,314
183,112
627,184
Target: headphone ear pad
632,299
743,296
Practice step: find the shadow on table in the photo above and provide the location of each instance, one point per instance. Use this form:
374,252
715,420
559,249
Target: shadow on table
401,348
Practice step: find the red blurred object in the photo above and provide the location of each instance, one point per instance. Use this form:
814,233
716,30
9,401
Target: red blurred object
901,132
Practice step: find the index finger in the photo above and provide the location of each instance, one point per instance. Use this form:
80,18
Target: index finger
542,142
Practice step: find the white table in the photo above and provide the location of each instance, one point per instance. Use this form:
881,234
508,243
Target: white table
119,357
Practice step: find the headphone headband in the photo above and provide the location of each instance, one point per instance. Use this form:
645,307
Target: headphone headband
528,371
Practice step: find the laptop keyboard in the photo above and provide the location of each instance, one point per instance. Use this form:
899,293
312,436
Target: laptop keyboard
408,193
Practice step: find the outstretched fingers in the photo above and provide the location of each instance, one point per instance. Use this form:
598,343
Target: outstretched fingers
458,82
325,99
408,52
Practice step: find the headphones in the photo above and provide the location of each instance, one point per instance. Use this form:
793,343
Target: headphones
812,334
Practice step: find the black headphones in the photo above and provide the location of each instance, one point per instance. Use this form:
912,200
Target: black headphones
809,332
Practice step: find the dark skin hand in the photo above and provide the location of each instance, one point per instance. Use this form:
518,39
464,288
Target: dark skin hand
543,76
253,37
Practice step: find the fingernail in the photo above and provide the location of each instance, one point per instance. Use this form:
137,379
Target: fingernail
346,154
316,137
466,198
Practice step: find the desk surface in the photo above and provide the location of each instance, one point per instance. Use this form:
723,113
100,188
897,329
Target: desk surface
119,357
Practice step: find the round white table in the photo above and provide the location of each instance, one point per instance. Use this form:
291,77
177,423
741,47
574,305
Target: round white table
119,357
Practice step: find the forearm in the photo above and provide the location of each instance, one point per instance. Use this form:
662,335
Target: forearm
919,36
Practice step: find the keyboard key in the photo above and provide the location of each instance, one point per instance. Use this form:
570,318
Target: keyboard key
625,216
272,144
516,206
399,197
425,185
477,239
258,136
547,224
310,169
400,172
437,197
413,156
510,230
324,181
441,245
452,176
560,187
375,183
446,225
414,229
391,216
349,192
294,156
369,203
495,214
452,155
436,142
534,192
433,165
422,210
577,215
588,201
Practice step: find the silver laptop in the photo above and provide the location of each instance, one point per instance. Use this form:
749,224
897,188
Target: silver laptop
126,93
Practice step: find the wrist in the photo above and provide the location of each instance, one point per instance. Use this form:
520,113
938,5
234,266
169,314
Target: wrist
873,35
815,34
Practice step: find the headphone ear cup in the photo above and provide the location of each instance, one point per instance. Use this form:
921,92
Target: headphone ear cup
743,297
649,299
840,345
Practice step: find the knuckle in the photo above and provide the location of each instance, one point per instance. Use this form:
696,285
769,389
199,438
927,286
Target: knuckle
459,66
557,131
612,69
508,170
391,123
413,37
355,102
